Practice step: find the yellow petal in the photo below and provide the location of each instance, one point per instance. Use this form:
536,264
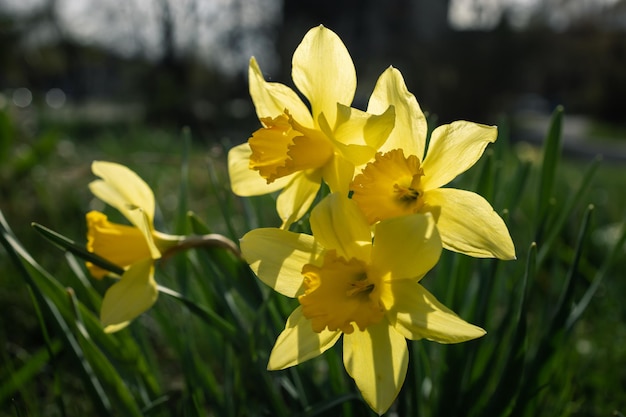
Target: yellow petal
337,223
337,174
356,127
453,149
377,359
135,293
277,256
272,99
417,314
297,196
246,182
299,343
120,244
468,224
123,189
406,246
409,132
323,71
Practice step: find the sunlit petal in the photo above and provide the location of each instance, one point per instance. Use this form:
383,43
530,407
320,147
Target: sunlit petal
409,133
246,182
299,343
135,293
337,223
356,127
297,196
406,246
337,174
417,314
468,224
122,188
277,257
323,71
272,99
377,359
453,149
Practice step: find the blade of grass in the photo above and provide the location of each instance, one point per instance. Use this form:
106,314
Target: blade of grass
69,245
581,306
551,156
513,372
53,296
12,382
565,212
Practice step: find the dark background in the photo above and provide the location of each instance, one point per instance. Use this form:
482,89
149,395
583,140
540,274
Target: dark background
479,72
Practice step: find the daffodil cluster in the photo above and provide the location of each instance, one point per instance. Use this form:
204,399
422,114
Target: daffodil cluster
381,229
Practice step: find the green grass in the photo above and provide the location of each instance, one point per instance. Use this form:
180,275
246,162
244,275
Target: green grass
207,355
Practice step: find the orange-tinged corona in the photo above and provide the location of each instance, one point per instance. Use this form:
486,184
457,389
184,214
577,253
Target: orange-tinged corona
389,186
284,147
340,294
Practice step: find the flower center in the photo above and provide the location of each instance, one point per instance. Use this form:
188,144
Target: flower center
390,186
339,294
284,146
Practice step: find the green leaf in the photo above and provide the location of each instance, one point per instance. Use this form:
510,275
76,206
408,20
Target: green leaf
63,311
31,368
208,316
556,226
69,245
608,263
551,154
566,297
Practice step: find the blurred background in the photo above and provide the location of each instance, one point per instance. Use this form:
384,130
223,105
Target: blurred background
184,62
102,79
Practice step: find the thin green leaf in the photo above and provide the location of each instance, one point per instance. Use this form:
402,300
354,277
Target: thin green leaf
35,363
69,245
551,155
565,300
50,294
208,316
565,212
581,306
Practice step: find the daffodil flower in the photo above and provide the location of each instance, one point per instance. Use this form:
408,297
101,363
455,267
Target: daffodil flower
401,180
134,248
366,290
298,147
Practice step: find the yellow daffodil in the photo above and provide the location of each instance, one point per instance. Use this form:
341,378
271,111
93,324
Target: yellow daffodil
298,147
133,248
401,180
362,288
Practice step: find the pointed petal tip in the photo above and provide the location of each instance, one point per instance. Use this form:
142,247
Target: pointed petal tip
115,327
